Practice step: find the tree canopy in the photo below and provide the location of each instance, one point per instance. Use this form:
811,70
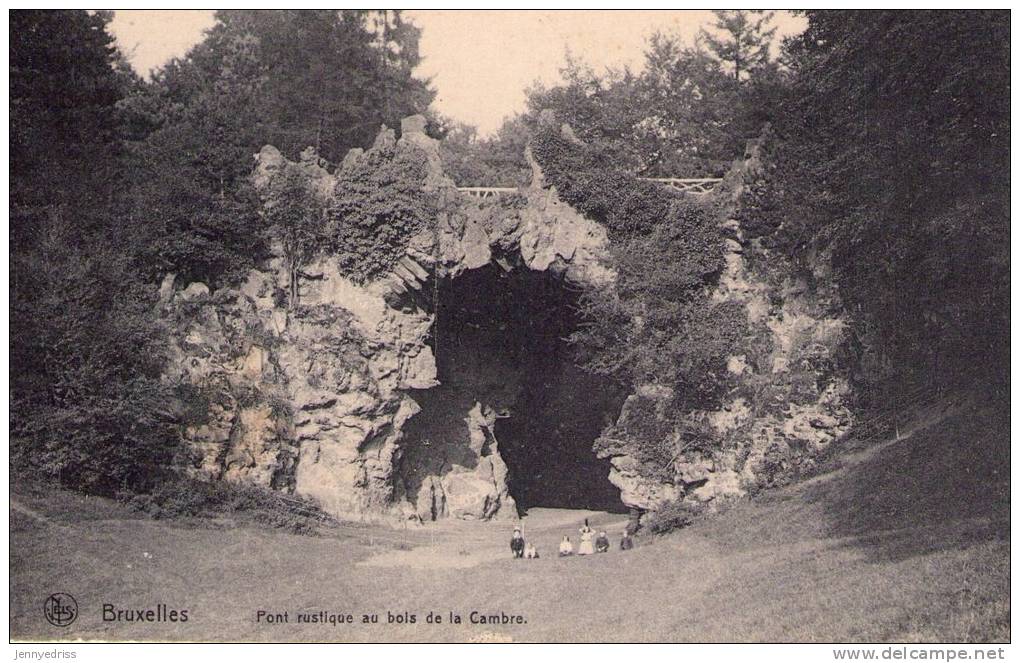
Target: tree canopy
118,181
890,151
689,109
294,79
885,160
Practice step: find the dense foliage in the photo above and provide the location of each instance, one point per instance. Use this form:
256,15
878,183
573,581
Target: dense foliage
117,181
657,325
295,213
687,112
887,160
890,152
742,42
87,406
378,205
294,79
498,160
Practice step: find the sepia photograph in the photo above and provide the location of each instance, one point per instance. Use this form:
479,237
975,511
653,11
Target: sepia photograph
510,326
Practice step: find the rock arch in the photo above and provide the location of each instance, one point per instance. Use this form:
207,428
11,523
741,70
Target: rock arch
318,400
344,366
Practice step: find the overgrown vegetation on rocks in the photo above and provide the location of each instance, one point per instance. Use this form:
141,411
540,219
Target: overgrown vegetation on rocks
295,214
675,515
666,249
657,326
379,203
120,180
899,204
889,155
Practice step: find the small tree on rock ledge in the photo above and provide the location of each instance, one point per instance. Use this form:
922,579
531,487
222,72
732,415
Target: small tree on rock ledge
296,215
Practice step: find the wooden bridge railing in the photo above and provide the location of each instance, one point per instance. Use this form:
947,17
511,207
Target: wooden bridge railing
487,191
696,185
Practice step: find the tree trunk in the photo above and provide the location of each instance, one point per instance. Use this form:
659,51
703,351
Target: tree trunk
292,301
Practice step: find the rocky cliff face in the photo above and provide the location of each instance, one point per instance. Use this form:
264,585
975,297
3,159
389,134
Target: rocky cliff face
788,400
313,396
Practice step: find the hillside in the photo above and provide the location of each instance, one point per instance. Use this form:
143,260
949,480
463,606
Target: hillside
903,540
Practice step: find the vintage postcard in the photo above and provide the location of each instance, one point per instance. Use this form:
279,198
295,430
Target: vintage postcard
534,326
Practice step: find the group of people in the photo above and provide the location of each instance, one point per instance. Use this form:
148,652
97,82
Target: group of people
589,544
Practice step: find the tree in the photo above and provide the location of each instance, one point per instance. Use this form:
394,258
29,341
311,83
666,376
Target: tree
494,161
602,110
684,114
692,111
326,79
889,154
295,216
64,91
742,44
86,399
188,176
88,406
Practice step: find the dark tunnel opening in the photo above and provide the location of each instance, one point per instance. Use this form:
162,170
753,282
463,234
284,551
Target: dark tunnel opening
500,340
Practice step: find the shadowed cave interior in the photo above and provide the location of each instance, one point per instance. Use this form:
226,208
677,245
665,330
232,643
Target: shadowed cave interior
500,341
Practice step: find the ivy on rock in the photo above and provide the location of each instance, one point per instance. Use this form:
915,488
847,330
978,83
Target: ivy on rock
380,202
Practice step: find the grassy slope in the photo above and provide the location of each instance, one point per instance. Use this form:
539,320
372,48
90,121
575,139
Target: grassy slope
907,542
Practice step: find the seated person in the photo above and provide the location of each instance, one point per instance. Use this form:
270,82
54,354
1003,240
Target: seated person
530,551
566,547
602,543
626,543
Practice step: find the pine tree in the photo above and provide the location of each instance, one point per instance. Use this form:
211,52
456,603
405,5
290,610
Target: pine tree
86,352
743,41
63,92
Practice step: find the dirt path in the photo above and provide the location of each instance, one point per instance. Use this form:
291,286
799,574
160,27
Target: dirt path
876,552
458,545
17,506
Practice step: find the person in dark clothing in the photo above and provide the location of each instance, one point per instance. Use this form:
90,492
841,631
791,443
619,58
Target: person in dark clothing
626,543
517,544
602,543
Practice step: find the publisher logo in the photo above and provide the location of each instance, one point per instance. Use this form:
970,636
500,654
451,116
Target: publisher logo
61,609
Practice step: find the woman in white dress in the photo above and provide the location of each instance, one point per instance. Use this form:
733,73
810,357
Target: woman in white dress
586,547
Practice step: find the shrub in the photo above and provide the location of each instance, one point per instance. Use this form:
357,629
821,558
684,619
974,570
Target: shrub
657,326
590,183
647,432
379,204
675,515
88,407
182,497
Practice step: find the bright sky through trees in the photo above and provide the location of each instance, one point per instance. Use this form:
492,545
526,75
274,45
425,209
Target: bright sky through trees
481,62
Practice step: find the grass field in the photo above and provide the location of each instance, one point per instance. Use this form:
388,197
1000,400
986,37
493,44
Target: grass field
903,541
